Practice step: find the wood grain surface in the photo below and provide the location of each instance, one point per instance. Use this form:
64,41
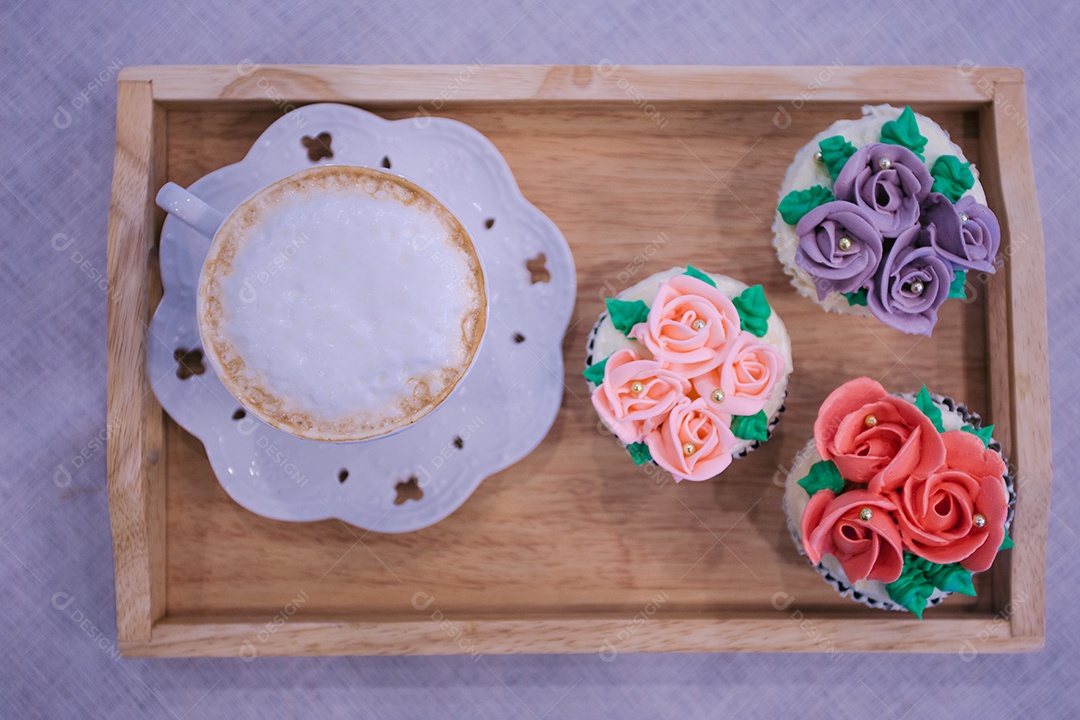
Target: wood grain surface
574,546
136,423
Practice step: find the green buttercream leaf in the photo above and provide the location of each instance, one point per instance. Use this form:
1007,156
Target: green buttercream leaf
823,475
956,287
919,577
799,202
625,315
912,589
952,178
1007,543
983,433
904,131
754,310
595,372
911,594
856,298
835,152
751,427
929,409
639,453
695,273
950,578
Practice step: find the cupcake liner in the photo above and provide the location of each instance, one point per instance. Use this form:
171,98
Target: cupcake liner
592,339
774,420
840,583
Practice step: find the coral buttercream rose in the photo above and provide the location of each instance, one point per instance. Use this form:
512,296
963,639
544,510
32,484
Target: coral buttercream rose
889,182
746,379
957,513
636,395
856,527
875,438
689,327
694,442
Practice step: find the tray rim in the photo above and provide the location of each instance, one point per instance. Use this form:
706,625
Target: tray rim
1018,381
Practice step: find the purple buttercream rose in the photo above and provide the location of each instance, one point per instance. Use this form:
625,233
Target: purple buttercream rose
965,234
839,247
910,286
980,234
888,181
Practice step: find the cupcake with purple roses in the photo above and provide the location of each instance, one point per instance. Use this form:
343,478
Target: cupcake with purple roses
884,217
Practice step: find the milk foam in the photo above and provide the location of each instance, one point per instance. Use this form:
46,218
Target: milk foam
337,300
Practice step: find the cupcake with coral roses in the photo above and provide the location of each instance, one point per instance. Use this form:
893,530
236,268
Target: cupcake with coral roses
899,499
688,370
884,217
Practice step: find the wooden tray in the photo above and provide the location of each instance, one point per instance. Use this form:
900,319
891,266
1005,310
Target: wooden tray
574,549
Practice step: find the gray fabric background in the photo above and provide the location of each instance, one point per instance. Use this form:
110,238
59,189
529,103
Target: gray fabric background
54,193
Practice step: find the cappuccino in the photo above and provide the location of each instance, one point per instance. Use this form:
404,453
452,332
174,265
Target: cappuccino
341,303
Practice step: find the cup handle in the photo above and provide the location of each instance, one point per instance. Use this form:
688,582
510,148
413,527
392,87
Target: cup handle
177,201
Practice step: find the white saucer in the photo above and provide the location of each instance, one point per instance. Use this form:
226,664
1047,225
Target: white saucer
499,413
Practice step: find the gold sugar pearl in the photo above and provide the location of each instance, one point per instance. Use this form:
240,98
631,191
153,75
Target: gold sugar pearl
698,324
884,163
917,287
689,449
870,421
637,388
844,243
818,157
718,395
866,514
978,520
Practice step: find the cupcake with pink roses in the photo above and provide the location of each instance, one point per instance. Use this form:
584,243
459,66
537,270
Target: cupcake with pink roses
899,499
884,216
689,370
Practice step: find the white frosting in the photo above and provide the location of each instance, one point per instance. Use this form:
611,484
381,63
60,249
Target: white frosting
337,299
796,498
805,172
608,339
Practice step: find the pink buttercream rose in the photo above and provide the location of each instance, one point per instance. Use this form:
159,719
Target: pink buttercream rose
867,549
689,327
876,438
937,514
694,442
636,395
747,377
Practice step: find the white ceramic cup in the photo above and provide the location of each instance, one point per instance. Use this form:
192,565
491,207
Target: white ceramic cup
425,383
